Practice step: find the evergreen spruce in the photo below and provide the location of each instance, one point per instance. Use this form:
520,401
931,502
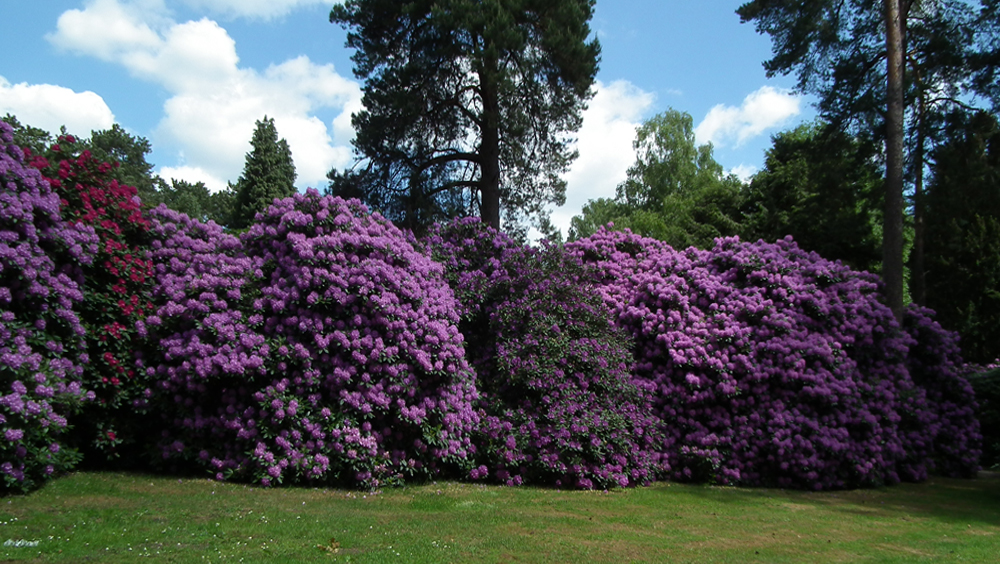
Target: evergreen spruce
269,173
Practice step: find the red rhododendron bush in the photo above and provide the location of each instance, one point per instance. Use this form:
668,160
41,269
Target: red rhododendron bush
319,347
115,297
772,366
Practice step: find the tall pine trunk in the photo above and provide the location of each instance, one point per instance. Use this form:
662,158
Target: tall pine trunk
918,283
489,149
892,236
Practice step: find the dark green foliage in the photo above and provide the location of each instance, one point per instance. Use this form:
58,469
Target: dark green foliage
675,192
27,137
269,173
823,187
116,145
468,105
963,231
195,200
987,387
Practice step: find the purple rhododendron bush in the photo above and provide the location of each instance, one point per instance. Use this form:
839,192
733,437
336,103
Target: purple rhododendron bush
772,366
936,366
557,402
320,347
42,341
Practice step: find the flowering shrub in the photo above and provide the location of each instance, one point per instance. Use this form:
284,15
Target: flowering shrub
557,402
321,347
116,290
770,365
202,352
42,347
935,364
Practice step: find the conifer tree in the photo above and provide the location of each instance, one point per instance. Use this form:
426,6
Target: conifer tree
269,173
469,105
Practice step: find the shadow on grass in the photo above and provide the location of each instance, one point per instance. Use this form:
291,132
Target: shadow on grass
947,500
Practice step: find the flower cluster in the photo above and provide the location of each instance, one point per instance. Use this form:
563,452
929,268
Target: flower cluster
319,347
42,347
116,288
770,365
557,402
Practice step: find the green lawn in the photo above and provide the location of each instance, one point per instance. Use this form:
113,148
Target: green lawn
104,517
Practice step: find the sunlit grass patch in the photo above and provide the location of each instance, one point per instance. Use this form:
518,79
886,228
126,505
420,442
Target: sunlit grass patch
105,517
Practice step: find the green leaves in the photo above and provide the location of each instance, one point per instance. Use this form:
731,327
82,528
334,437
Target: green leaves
675,191
468,106
269,173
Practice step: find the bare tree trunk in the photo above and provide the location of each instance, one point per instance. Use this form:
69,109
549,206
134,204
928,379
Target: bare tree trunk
489,150
892,235
918,284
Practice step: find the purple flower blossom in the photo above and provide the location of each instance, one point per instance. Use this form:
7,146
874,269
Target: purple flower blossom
770,365
557,399
338,326
40,277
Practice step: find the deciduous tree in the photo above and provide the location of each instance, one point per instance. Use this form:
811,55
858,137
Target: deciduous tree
823,187
675,191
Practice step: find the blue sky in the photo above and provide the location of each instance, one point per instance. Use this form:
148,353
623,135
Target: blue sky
193,76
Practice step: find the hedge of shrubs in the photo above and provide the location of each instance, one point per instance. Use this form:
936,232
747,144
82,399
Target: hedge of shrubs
320,346
324,345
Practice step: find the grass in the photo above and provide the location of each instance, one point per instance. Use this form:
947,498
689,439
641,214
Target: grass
106,517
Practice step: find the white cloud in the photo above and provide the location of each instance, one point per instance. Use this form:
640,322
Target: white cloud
605,145
49,107
761,110
215,102
743,171
254,9
193,175
107,29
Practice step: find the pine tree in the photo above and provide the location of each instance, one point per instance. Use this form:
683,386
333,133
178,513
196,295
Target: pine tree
269,173
469,105
874,65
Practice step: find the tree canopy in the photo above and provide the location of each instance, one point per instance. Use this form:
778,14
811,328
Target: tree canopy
269,173
469,105
195,200
963,229
851,55
675,191
823,187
